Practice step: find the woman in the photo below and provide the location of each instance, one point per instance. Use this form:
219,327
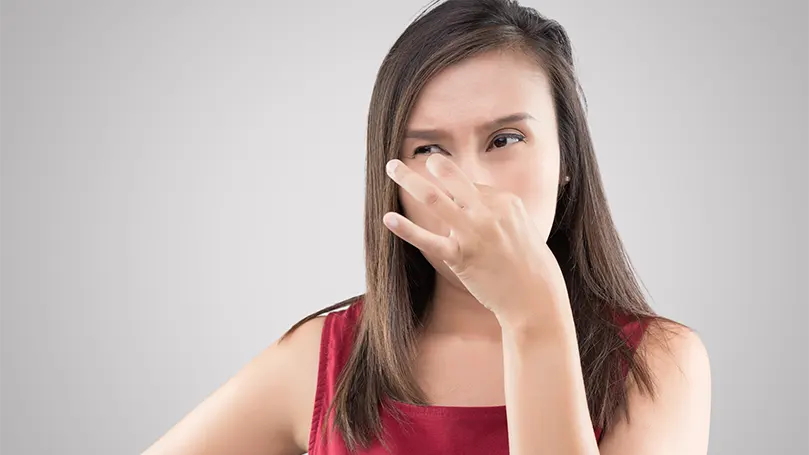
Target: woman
501,313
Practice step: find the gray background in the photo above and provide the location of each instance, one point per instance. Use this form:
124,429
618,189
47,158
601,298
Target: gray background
181,181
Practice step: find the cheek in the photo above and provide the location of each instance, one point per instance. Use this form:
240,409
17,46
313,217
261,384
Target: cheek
538,187
540,203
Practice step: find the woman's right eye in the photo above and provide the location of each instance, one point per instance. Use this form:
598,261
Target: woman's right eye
424,149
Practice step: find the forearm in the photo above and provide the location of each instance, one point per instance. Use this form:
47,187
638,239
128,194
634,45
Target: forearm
546,404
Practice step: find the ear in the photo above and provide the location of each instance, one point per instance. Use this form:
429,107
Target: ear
564,175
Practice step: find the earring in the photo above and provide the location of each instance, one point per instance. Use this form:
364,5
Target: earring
567,178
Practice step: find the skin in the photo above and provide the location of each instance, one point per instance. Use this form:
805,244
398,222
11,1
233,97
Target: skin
501,311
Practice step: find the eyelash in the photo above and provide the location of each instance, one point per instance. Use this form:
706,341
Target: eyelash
519,137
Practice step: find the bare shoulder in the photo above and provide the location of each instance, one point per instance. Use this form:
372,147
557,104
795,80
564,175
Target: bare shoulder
676,417
265,408
300,352
674,352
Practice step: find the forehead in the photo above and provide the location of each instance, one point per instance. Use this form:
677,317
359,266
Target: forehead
482,88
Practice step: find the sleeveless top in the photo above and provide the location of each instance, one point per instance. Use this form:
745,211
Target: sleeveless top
468,430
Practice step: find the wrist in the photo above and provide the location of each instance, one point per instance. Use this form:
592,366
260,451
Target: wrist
549,321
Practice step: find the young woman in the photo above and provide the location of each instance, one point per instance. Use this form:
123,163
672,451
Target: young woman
501,313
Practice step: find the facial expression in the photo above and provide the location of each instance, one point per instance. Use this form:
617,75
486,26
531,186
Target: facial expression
493,116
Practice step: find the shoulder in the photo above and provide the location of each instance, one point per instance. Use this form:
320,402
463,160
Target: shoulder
261,409
312,349
674,352
297,355
677,413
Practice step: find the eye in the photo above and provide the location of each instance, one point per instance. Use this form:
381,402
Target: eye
502,140
423,149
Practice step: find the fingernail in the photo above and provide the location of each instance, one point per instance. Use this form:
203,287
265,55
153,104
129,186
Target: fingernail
392,164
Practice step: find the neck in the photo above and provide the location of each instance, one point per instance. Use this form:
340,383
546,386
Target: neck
455,312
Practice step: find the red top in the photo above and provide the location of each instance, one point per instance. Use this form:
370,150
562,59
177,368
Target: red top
465,430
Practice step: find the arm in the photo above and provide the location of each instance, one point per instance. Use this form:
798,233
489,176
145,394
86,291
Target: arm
264,409
546,402
677,420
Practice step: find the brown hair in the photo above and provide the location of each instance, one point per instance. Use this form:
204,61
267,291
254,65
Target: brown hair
583,238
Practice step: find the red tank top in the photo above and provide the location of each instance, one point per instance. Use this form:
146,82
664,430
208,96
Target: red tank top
466,430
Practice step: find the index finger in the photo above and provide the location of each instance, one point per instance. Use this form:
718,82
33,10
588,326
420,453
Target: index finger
462,189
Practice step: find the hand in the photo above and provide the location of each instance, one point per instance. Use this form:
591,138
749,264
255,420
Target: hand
493,247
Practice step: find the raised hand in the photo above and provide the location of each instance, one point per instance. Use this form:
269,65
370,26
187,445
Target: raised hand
493,247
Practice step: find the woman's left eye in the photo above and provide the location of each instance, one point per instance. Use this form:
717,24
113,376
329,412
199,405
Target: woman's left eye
502,140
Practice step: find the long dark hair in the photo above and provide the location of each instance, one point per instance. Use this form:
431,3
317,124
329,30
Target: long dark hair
583,238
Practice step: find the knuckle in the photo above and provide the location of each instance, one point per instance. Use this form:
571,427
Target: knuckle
431,197
456,253
465,256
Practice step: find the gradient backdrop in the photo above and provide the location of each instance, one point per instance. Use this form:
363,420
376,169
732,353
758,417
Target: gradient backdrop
181,181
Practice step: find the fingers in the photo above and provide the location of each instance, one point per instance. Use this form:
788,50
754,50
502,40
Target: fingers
424,240
426,192
454,180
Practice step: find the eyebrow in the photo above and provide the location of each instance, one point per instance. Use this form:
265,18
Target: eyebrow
434,134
